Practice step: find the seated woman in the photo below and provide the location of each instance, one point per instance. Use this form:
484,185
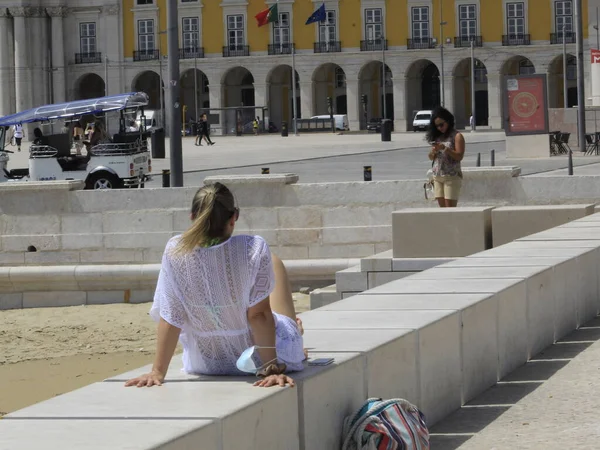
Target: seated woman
221,295
40,139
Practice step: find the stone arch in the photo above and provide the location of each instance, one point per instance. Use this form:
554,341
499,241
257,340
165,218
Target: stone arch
329,80
370,84
555,82
90,85
194,93
150,83
238,87
281,106
422,88
462,93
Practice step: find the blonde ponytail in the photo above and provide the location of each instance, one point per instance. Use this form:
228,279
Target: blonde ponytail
212,207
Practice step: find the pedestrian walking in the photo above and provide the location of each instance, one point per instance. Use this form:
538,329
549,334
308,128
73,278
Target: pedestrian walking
18,135
206,130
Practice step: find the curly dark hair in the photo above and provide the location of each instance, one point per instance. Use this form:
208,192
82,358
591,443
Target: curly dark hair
433,133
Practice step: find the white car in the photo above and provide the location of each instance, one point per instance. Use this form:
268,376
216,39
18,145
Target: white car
341,121
421,120
117,161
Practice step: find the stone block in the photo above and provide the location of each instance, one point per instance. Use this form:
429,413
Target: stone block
142,296
409,285
441,232
151,255
42,243
36,299
324,296
52,258
254,219
136,240
539,249
110,277
112,256
381,247
100,434
417,264
357,235
309,217
105,297
351,279
371,215
349,294
340,251
439,349
380,278
12,258
31,224
297,236
290,251
328,395
82,241
393,349
249,417
11,301
587,286
513,222
181,220
39,278
81,223
137,221
565,234
505,261
381,262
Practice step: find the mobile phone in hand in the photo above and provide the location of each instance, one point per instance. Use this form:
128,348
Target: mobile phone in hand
320,362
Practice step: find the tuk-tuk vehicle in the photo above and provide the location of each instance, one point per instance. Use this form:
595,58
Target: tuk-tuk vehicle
114,162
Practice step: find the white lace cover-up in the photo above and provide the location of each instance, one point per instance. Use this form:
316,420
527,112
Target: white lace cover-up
207,293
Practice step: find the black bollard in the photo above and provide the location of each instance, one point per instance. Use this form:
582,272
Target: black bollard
367,173
265,171
166,178
478,163
493,158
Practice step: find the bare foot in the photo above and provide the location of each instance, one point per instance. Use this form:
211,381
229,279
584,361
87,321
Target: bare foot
300,327
305,354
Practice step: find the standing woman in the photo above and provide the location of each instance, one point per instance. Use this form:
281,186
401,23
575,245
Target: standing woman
447,151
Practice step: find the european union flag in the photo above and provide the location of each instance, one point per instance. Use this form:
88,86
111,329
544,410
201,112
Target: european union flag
318,16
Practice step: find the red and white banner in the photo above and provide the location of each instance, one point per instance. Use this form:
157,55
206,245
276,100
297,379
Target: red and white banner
595,75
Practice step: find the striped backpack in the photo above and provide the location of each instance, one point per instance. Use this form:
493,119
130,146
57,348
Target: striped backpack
386,425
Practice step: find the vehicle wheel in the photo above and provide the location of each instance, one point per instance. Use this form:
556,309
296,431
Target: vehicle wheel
103,180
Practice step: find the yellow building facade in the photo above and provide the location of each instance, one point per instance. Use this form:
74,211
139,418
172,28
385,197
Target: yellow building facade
227,60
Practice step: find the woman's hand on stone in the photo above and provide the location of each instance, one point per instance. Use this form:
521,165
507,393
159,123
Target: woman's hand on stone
275,380
150,379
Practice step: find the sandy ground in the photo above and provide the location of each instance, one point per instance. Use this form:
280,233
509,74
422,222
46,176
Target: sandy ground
46,352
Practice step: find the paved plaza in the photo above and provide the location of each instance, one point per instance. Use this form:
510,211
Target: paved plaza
551,403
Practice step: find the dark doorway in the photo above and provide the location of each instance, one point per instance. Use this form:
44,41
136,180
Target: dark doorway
430,88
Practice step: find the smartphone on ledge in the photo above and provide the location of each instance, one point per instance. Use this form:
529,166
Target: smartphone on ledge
320,362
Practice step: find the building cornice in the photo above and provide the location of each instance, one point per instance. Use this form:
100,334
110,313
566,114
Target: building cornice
58,11
27,11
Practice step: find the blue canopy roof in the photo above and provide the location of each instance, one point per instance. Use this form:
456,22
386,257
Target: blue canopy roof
77,108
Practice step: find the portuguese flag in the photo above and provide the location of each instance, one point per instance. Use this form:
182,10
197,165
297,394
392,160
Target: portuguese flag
267,16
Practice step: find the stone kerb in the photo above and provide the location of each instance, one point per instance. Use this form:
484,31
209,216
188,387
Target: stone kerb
513,222
437,342
441,232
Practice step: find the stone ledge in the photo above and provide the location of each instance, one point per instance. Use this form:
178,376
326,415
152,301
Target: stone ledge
491,172
275,178
438,343
68,185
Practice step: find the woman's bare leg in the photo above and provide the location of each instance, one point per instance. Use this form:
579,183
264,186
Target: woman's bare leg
281,298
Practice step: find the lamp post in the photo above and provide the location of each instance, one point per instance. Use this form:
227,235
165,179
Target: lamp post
473,126
383,78
564,50
580,77
596,27
160,80
442,23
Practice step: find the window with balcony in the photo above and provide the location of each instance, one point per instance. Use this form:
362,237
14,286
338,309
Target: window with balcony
515,25
236,41
146,35
373,30
87,37
420,28
281,35
235,31
327,29
467,27
563,22
87,44
190,38
328,34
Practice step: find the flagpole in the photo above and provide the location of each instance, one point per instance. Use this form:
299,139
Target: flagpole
294,102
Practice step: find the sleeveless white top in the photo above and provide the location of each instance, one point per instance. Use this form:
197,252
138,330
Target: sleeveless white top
207,293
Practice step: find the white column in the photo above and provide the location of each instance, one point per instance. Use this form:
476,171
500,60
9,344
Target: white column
495,100
6,59
399,90
59,85
37,25
215,96
306,99
353,103
112,48
22,60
